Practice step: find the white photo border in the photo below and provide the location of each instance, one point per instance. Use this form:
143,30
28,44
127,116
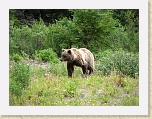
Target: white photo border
142,109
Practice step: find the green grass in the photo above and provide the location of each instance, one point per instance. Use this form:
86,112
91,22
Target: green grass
56,89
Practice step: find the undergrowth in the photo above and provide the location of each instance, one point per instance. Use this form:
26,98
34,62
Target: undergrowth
52,87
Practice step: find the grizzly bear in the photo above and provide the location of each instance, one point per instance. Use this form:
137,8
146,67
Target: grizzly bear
79,57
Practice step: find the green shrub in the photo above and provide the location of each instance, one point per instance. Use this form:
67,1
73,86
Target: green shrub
19,78
15,89
47,55
28,39
16,57
24,55
118,61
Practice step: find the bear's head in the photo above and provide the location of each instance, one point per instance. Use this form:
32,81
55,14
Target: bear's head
67,55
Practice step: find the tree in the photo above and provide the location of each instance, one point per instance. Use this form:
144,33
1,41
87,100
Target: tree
49,16
63,34
94,26
129,19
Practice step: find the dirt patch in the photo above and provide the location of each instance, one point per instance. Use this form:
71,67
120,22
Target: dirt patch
38,64
33,63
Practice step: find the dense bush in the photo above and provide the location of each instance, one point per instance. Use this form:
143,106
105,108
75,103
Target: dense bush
120,38
16,57
19,78
28,39
63,34
46,55
118,61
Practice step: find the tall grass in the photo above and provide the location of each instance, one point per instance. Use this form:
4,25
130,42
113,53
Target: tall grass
52,87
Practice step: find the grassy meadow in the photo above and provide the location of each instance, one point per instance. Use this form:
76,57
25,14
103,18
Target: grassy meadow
50,86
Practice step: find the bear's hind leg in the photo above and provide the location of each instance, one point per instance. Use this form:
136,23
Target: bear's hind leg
90,69
85,70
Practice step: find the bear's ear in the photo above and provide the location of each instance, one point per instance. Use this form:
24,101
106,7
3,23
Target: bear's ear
69,51
63,50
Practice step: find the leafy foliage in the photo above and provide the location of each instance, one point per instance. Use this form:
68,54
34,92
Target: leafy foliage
63,34
94,26
14,22
94,29
129,19
19,78
118,61
16,57
28,39
46,55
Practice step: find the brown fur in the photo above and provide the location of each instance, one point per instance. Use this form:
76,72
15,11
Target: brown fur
79,57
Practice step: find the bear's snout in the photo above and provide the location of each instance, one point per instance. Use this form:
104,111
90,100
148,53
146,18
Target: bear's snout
60,59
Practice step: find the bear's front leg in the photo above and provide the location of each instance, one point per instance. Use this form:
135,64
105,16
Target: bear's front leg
70,69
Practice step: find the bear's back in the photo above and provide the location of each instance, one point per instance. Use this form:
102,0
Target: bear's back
88,56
